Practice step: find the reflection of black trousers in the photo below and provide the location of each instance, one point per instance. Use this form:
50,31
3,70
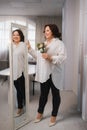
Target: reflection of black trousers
20,87
45,87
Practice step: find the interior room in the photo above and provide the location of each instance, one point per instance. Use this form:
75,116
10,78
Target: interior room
31,16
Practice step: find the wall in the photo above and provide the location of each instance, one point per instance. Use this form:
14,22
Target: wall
75,38
70,38
83,40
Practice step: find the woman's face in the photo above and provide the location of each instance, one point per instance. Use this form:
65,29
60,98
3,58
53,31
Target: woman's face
48,33
16,37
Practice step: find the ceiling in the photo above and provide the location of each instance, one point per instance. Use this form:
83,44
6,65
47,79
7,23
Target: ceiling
31,7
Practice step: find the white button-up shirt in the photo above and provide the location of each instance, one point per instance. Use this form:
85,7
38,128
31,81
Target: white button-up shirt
18,59
57,51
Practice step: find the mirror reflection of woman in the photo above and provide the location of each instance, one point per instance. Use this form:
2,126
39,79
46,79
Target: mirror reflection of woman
19,49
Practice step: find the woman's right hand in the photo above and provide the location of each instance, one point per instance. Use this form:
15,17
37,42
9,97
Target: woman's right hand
46,56
28,44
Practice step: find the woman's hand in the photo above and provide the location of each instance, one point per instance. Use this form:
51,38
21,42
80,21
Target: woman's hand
28,44
46,56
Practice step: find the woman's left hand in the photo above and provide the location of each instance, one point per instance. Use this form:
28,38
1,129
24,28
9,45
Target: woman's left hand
46,56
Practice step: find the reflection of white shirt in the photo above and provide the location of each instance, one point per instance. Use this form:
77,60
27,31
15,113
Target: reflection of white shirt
18,59
57,51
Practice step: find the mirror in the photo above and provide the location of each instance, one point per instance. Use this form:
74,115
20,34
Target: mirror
19,83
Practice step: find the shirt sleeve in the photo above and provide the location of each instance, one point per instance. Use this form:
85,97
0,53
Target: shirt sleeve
33,53
60,56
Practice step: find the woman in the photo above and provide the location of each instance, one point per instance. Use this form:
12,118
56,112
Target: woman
54,57
19,49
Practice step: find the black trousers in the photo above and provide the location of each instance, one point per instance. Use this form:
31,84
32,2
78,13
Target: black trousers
56,99
20,87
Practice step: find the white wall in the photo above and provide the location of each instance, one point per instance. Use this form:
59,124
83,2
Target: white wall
83,40
75,38
70,37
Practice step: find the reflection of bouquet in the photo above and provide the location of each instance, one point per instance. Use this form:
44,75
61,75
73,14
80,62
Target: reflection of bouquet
41,47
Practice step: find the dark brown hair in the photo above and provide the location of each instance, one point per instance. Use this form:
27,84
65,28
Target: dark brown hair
20,34
54,29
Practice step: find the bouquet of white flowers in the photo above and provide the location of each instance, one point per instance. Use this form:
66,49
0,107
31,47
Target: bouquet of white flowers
41,47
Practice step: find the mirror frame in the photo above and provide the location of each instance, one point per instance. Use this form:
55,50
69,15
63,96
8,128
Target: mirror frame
11,106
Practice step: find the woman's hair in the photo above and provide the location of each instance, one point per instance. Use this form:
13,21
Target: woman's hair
20,34
54,29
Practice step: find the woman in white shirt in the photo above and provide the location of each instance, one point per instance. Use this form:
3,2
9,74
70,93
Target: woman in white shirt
19,49
50,68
